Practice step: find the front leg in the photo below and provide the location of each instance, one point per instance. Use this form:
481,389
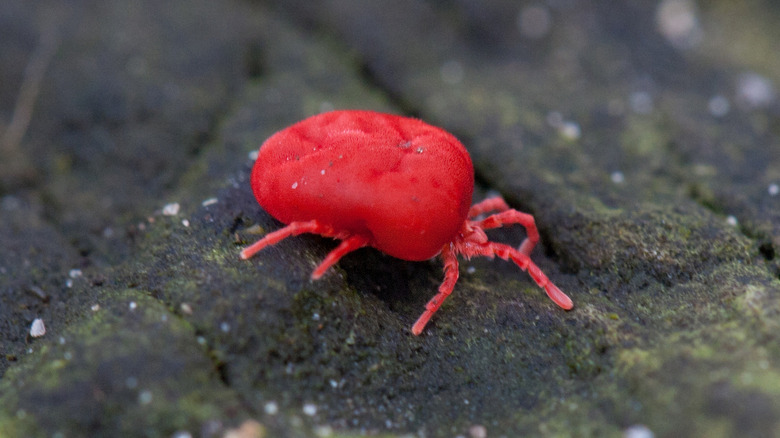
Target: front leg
451,274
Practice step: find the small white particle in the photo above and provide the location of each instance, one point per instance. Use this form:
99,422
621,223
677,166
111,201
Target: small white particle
755,91
326,106
253,155
171,209
718,106
95,307
570,130
678,22
477,431
419,150
554,119
322,172
74,273
62,340
69,283
323,431
145,397
185,222
131,382
295,185
225,327
773,189
210,201
534,22
732,220
132,305
181,434
452,72
68,355
186,309
638,431
617,177
315,317
641,102
271,408
310,409
37,329
471,270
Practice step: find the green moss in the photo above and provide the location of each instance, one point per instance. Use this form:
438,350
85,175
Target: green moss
121,369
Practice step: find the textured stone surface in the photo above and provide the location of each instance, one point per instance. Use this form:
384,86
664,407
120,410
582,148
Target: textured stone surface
647,148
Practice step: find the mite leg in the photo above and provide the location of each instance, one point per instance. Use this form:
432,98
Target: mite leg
450,278
513,217
293,229
346,246
522,260
496,203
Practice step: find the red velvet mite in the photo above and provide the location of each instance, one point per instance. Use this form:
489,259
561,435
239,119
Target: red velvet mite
394,183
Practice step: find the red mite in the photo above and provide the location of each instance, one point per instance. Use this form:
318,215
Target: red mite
394,183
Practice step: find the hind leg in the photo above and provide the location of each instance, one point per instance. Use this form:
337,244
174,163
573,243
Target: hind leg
525,263
512,216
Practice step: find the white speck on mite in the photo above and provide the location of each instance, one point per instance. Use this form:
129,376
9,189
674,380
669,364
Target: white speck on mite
295,185
38,328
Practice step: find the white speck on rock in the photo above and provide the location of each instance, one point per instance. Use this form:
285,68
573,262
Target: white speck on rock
38,328
310,409
171,209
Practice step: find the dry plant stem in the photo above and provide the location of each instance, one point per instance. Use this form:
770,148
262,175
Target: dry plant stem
31,85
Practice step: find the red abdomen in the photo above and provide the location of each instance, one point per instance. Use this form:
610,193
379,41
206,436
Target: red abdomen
403,183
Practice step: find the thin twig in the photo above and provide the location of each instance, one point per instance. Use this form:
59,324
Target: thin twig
31,86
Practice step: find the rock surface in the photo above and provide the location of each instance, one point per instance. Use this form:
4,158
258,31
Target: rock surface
642,136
